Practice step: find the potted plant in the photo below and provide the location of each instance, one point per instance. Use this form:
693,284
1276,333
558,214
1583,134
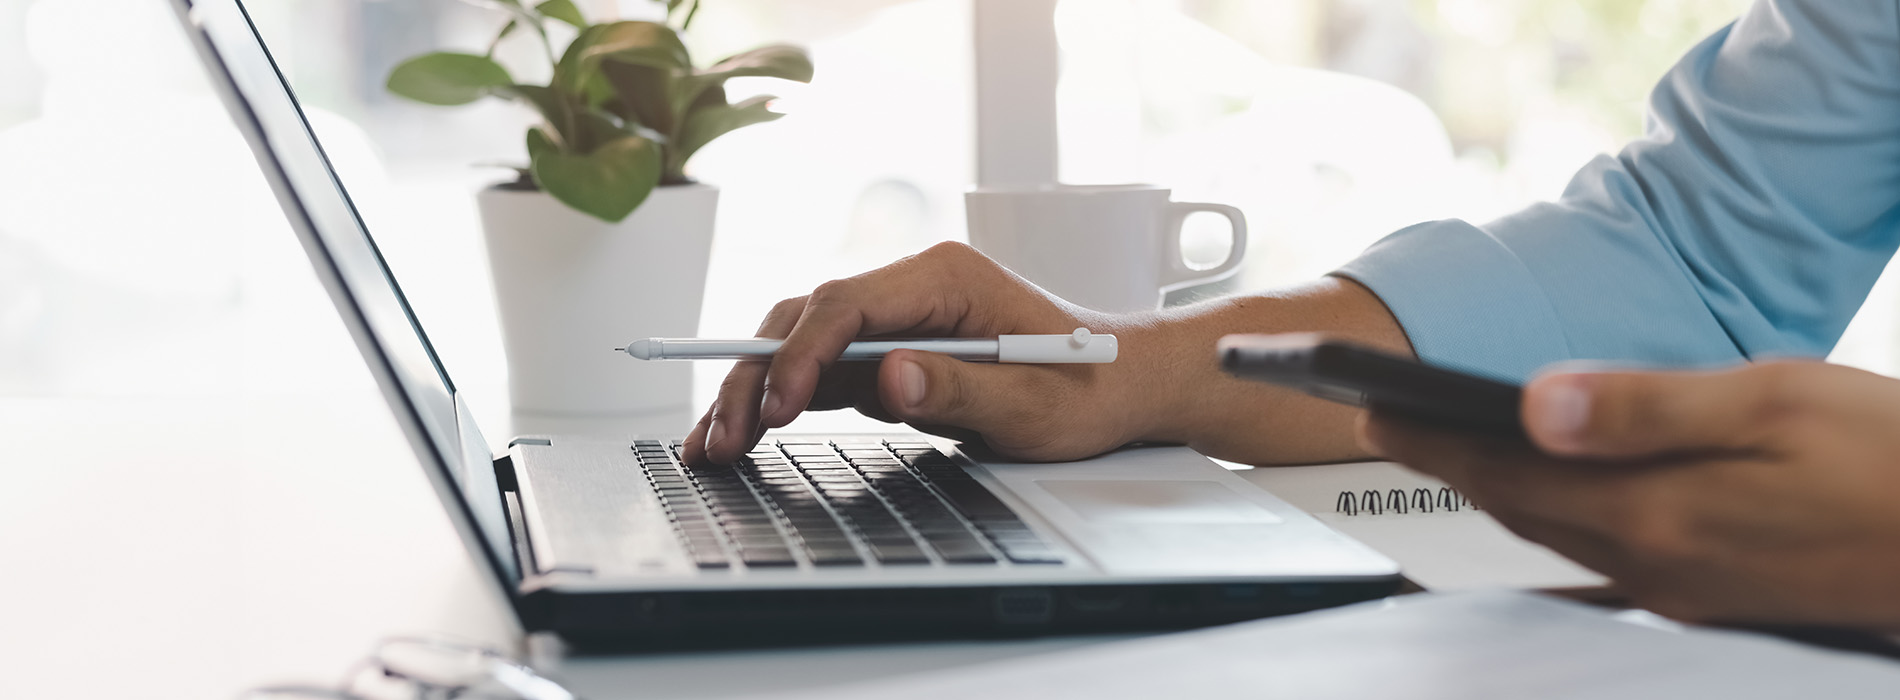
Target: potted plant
602,237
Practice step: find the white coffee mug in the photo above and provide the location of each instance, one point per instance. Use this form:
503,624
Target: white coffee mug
1107,247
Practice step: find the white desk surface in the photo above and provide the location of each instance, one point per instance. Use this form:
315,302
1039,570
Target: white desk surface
195,547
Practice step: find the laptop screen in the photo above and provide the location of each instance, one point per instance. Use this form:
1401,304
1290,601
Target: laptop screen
360,282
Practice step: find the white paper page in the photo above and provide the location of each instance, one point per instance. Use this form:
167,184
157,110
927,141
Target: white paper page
1467,646
1442,550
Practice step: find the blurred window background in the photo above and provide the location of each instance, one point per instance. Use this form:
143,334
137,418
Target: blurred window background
128,208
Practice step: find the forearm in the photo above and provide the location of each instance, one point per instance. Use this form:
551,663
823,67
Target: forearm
1182,396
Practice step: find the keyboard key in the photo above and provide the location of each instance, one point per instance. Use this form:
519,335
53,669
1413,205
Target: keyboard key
772,556
835,558
962,551
1036,554
826,535
752,528
892,553
943,531
797,450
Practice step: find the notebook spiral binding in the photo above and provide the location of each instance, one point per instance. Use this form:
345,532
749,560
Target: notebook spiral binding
1401,501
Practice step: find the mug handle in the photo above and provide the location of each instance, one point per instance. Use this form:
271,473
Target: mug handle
1175,272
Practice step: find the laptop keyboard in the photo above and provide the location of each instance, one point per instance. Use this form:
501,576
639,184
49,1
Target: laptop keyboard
838,503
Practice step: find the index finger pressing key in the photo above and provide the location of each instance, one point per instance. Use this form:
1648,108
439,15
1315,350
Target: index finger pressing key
736,410
816,340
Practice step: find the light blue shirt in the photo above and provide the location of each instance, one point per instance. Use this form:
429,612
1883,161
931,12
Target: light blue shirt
1749,222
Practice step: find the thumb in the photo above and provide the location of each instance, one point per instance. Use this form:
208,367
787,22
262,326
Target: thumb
925,388
1634,414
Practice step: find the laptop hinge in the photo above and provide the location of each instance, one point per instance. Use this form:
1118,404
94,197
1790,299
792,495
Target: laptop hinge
517,527
505,474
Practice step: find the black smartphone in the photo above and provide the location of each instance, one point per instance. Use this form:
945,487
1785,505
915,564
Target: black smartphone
1354,374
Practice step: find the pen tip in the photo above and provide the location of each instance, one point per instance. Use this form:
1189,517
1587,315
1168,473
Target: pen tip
620,349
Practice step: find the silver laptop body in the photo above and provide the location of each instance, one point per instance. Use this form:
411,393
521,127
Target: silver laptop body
616,544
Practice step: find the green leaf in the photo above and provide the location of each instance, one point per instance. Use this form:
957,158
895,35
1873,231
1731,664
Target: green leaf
571,58
607,184
556,110
593,129
545,100
706,124
775,61
563,10
598,91
572,126
448,78
714,96
639,43
642,93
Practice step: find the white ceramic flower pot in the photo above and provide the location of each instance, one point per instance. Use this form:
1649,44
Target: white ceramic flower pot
571,288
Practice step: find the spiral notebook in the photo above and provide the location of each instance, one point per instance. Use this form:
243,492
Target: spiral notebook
1440,539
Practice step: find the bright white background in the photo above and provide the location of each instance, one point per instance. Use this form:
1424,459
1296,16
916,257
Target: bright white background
166,356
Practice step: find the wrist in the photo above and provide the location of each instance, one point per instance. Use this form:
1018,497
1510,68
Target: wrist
1165,356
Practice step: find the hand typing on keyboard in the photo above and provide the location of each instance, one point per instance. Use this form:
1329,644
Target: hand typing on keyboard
1041,412
1164,387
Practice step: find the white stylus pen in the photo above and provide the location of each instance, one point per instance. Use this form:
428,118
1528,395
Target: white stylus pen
1080,347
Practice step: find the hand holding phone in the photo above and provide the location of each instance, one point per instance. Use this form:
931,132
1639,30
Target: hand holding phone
1360,376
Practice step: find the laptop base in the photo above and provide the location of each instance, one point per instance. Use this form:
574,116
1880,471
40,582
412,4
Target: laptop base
672,621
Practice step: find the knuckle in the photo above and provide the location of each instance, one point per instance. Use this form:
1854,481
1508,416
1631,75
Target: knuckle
951,250
835,291
788,307
742,376
779,320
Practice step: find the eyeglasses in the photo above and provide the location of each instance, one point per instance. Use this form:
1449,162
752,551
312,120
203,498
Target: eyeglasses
420,668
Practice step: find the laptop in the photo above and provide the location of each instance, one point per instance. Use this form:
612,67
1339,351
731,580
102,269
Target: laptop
809,538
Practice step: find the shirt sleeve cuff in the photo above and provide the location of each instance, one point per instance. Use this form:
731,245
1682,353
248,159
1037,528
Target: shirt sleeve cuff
1464,299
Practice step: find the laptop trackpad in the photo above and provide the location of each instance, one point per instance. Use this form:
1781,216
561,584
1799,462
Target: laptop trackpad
1160,526
1157,502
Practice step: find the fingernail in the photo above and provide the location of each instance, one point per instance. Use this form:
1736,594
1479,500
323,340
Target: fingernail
1563,410
910,384
714,435
768,406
